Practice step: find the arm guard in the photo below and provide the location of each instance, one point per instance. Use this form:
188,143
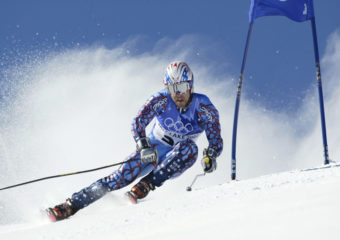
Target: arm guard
154,106
210,118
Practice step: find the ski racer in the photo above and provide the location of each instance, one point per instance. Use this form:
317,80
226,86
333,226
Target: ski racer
168,151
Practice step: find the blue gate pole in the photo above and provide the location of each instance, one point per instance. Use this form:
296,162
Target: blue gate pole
318,76
237,104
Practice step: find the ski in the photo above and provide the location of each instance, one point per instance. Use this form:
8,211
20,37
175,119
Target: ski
50,214
131,197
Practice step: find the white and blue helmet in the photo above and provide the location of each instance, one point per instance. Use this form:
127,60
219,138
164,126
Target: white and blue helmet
178,72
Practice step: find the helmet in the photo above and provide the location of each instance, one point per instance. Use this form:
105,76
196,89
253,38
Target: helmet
178,72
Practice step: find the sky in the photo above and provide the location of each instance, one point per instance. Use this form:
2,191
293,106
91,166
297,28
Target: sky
280,68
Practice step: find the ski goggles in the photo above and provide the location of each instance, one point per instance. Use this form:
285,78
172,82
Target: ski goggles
180,88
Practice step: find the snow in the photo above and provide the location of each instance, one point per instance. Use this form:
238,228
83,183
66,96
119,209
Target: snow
290,205
65,116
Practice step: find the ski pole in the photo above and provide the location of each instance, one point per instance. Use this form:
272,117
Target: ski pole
189,188
64,175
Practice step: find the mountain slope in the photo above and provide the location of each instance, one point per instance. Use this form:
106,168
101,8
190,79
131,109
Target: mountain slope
290,205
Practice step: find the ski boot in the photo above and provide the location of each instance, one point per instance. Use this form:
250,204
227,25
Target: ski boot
61,211
139,191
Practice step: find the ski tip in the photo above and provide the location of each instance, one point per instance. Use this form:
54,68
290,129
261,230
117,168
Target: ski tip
131,197
50,214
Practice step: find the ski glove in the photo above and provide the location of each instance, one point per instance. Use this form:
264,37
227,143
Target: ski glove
147,152
209,160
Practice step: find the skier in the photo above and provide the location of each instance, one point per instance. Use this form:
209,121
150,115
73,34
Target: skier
169,150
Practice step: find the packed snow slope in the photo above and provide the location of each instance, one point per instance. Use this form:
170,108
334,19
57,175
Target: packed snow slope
289,205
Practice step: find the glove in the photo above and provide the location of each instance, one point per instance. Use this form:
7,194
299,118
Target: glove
209,160
147,152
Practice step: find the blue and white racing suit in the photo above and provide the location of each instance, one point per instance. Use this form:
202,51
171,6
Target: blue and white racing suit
173,135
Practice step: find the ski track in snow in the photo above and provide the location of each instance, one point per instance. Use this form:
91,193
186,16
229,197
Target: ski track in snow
289,205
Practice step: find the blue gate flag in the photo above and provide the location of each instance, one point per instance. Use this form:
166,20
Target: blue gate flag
296,10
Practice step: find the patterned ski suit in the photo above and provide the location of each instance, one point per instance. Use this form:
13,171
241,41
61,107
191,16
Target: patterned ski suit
173,135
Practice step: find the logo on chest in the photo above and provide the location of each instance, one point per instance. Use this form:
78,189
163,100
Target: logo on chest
177,126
